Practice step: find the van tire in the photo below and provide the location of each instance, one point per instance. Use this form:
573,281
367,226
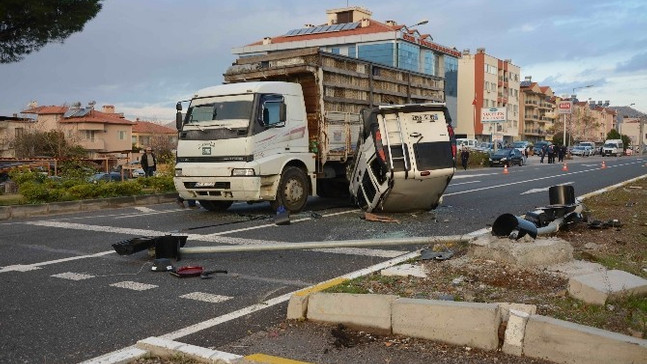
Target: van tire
293,190
215,205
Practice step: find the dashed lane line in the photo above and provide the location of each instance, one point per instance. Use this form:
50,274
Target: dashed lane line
135,286
72,276
206,297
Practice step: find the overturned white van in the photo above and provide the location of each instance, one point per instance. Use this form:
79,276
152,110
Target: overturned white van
406,158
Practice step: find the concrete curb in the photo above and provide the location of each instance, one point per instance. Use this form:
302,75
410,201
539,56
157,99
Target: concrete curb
477,325
55,208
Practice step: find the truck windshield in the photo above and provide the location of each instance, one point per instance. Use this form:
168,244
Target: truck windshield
225,110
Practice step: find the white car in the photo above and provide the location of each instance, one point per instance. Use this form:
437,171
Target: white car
138,173
582,150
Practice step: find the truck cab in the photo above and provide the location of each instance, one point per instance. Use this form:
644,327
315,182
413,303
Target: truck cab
245,142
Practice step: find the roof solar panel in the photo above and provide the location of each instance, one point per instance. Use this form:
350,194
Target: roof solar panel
323,29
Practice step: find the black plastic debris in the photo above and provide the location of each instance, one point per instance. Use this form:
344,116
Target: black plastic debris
597,224
428,254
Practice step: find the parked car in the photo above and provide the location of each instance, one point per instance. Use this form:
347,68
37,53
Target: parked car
539,145
508,157
106,177
521,145
136,173
594,148
582,150
464,142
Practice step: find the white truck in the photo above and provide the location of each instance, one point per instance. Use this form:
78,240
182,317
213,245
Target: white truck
285,126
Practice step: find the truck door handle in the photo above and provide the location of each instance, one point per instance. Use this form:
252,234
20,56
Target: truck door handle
415,134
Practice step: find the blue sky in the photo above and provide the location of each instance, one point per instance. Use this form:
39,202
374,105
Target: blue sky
144,55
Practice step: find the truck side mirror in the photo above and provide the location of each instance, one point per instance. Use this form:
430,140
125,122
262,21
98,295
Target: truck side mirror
178,120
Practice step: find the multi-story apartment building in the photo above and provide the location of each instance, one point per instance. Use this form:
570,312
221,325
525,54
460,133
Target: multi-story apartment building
538,111
102,133
486,82
588,121
351,32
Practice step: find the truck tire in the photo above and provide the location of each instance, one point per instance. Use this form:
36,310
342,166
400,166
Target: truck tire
293,190
215,205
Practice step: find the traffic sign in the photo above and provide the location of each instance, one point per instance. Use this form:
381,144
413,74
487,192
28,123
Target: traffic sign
565,107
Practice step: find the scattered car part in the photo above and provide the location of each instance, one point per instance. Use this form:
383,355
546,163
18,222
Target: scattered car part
188,271
563,211
162,265
207,274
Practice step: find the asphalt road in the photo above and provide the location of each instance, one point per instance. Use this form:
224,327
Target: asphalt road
68,297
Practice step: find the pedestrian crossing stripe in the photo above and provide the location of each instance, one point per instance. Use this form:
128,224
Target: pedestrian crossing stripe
135,286
206,297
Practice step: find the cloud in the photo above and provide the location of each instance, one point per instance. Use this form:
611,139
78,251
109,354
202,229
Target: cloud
636,63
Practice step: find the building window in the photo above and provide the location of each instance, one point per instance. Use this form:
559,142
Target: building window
352,52
19,132
378,53
89,135
122,135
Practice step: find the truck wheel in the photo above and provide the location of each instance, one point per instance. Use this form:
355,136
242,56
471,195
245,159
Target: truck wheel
293,190
215,205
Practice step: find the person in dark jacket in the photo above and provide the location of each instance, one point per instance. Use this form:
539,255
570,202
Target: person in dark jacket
465,157
149,162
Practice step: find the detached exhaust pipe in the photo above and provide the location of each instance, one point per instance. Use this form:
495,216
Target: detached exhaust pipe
563,210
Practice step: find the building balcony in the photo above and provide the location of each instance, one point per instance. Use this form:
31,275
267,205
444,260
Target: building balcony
534,132
93,145
531,117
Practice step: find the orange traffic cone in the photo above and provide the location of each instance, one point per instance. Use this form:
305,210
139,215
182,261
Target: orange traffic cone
565,168
505,169
604,165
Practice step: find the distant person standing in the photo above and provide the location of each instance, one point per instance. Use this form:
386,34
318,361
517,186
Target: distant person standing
465,157
542,153
149,162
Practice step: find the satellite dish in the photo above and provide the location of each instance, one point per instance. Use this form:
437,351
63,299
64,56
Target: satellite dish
92,103
32,104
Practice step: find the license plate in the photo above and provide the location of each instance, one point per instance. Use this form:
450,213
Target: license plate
205,184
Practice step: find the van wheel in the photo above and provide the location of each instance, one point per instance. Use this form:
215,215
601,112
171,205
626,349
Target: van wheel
293,190
215,205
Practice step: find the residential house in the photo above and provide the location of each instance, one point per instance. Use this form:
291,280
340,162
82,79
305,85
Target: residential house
351,32
12,127
486,82
536,121
146,134
104,134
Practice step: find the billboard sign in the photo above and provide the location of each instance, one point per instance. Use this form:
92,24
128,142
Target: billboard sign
493,115
565,107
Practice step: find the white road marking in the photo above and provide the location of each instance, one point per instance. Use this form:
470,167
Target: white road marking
463,183
521,182
461,176
135,286
144,209
544,189
18,268
72,276
28,267
206,297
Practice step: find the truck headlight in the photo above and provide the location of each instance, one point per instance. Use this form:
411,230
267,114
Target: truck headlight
178,172
243,172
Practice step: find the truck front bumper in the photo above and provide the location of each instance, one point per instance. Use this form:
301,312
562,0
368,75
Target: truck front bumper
244,188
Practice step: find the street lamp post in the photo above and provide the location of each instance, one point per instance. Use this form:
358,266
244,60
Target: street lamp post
573,96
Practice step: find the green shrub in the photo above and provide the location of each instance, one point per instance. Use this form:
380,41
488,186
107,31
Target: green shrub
36,192
158,183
